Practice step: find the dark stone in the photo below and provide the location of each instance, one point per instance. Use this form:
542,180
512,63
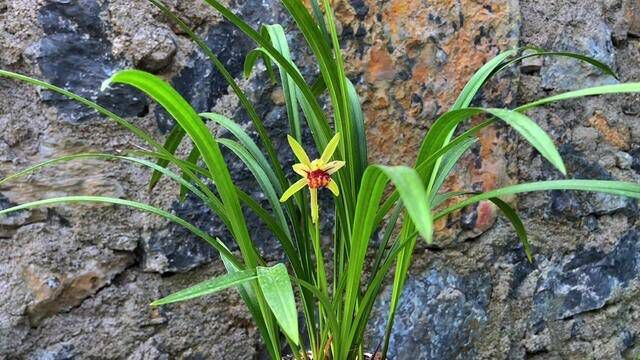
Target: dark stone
75,54
521,269
202,85
631,108
199,82
587,280
635,164
361,9
468,217
439,316
628,338
574,204
179,251
565,203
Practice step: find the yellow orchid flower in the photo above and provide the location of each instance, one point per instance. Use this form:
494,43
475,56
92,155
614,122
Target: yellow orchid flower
315,174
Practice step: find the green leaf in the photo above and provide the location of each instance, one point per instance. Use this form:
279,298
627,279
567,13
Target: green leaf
262,179
424,167
208,287
252,58
440,198
224,252
289,88
534,134
539,52
414,198
193,125
192,158
318,121
171,145
437,137
603,186
244,101
515,220
479,78
449,161
597,90
276,286
317,14
360,156
239,133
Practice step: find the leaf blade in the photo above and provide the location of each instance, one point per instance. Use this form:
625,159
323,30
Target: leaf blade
277,289
208,287
511,214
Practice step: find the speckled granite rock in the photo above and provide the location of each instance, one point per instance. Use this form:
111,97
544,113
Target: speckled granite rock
76,281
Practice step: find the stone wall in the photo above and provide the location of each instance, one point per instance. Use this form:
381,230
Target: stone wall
75,281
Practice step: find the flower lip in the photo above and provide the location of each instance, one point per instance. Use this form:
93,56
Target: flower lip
318,178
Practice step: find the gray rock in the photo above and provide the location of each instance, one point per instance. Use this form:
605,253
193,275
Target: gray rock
531,65
478,299
149,350
156,50
587,280
579,204
61,351
623,160
75,54
582,30
200,83
439,316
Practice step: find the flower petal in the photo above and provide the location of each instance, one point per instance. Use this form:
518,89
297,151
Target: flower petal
333,166
333,187
293,189
299,151
331,148
314,205
301,169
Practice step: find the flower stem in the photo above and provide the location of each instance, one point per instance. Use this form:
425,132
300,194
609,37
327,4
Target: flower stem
321,277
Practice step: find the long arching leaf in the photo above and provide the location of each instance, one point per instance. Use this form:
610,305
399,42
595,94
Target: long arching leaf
208,287
603,186
224,252
190,121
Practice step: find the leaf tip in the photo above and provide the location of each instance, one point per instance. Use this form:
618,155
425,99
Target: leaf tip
105,84
562,167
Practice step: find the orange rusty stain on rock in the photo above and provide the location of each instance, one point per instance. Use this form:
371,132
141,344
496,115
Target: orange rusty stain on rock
492,172
380,65
397,11
421,72
440,224
611,135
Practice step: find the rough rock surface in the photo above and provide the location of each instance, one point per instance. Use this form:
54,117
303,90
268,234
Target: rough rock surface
76,281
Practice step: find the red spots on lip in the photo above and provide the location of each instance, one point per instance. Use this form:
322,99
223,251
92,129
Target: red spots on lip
318,179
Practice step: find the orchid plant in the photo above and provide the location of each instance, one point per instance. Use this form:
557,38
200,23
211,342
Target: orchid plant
336,308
